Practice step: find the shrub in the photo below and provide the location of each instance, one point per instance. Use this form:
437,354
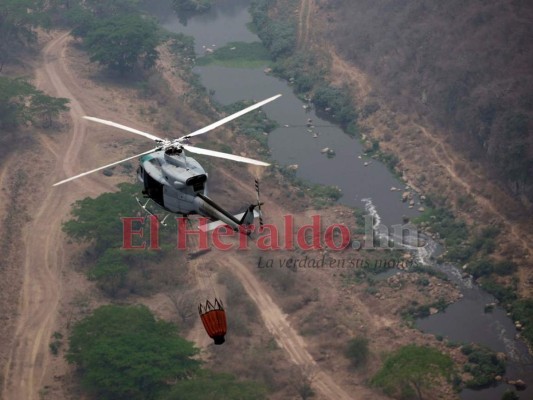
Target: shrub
357,351
483,364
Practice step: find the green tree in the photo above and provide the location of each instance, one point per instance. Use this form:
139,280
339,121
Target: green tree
279,36
17,20
47,107
125,353
99,220
121,43
411,369
13,95
21,103
357,351
110,271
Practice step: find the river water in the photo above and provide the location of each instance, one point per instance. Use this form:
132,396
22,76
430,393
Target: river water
365,183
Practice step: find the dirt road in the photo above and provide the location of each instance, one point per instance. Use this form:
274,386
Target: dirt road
276,322
304,21
44,256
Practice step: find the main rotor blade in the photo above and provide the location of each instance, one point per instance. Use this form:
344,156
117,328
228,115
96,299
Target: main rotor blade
124,127
233,157
231,117
98,169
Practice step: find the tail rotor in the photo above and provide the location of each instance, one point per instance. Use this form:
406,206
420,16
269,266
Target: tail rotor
259,205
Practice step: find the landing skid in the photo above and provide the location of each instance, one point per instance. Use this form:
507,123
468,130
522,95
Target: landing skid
145,208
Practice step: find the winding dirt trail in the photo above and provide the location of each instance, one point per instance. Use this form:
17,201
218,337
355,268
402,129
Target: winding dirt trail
304,20
44,255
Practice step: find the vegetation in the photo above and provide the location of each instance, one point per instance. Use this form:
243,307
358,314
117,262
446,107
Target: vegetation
486,267
458,75
278,35
22,103
473,250
124,352
191,5
374,151
497,131
337,102
255,124
18,18
453,231
81,15
416,310
120,43
483,364
116,34
522,310
429,271
99,221
412,369
116,21
215,386
485,271
56,343
304,388
238,55
510,395
357,351
322,195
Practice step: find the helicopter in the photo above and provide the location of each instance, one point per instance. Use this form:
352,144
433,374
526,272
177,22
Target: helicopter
177,182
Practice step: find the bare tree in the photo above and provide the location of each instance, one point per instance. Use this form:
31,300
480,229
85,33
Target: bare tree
185,303
302,378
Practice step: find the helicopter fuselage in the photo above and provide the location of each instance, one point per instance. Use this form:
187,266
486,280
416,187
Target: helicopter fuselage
172,180
177,183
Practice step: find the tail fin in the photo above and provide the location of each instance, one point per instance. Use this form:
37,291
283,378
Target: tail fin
250,214
245,219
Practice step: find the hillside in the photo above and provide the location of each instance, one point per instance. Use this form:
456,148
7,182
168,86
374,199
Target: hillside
464,65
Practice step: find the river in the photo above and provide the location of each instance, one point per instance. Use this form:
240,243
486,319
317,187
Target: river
365,182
